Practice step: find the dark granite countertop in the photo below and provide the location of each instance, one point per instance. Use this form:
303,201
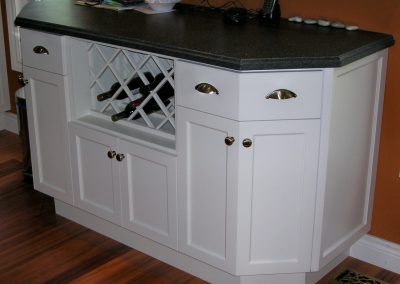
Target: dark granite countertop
202,36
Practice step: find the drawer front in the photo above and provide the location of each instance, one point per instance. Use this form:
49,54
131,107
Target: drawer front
243,96
189,75
257,100
44,51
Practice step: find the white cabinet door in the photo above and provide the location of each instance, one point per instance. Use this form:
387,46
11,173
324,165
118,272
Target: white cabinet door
95,175
13,9
148,188
207,184
247,210
276,198
48,133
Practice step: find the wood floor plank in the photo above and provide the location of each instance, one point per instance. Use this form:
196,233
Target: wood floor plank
7,139
10,146
9,166
147,271
66,259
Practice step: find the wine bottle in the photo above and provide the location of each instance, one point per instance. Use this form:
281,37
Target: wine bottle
135,83
164,93
165,90
150,107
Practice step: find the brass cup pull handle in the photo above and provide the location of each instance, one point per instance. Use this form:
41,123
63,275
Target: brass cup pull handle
281,94
111,154
120,157
247,142
206,88
229,140
40,50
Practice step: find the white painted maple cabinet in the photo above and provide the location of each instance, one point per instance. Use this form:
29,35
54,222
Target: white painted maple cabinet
226,181
48,113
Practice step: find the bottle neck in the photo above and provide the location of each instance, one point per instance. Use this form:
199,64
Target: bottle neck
118,116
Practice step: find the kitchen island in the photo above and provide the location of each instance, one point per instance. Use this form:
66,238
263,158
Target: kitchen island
260,168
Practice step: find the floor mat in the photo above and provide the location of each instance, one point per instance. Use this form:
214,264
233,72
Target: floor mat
353,277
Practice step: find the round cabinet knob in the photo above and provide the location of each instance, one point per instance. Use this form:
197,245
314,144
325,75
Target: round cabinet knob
229,140
247,142
120,157
22,80
111,154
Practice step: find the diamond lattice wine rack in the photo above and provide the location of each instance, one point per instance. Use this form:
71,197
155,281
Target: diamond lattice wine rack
141,80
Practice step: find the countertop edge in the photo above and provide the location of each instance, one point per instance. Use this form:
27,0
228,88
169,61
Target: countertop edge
207,58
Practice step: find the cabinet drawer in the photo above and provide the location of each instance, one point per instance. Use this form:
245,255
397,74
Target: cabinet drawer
44,51
242,96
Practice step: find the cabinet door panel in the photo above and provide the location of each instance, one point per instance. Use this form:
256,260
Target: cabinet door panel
96,178
148,184
206,197
47,119
278,188
13,9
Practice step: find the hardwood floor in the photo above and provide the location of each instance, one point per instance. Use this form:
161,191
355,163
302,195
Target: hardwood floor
37,246
10,146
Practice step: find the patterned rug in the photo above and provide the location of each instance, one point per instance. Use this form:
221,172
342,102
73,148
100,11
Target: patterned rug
353,277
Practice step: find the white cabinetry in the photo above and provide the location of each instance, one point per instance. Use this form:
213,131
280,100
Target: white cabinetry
251,183
47,108
207,187
13,9
124,171
276,195
271,177
95,175
148,183
125,183
348,156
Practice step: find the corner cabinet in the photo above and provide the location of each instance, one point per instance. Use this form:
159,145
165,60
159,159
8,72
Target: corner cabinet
236,177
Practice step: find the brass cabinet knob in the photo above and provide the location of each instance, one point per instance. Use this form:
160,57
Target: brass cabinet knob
247,142
229,140
120,157
22,80
111,154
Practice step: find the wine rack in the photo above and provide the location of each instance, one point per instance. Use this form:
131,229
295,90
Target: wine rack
110,64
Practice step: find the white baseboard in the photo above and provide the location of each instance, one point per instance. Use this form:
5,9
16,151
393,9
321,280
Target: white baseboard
378,252
9,121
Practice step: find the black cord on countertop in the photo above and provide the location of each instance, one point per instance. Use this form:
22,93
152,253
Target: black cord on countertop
206,5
